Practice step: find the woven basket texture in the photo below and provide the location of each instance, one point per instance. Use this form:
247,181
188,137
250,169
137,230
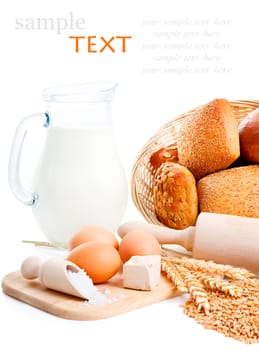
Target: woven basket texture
143,172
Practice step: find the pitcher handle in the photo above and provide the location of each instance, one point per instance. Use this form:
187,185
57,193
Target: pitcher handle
23,195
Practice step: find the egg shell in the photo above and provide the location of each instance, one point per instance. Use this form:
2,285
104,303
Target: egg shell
99,260
93,233
138,242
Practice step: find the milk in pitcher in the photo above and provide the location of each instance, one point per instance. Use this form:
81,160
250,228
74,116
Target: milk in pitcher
79,182
79,179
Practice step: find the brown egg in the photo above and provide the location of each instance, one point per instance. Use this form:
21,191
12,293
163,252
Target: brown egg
138,242
99,260
93,233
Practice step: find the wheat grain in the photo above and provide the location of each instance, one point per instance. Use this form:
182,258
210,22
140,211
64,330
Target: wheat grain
228,306
234,317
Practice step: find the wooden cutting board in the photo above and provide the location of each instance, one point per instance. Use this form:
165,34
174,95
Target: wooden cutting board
121,300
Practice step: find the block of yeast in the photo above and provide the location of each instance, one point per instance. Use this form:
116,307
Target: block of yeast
142,272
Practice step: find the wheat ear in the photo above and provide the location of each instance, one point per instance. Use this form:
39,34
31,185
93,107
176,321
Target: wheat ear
169,268
218,284
195,288
213,268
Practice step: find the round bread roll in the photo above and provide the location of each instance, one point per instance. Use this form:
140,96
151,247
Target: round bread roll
208,139
175,196
249,137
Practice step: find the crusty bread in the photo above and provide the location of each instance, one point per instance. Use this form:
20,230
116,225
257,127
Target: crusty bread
249,137
164,154
208,139
175,196
233,191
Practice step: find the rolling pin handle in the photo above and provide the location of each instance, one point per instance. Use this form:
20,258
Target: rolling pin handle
164,235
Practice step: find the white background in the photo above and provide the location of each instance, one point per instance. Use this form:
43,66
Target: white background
34,59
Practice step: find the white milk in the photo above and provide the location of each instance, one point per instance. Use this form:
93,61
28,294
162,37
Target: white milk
80,181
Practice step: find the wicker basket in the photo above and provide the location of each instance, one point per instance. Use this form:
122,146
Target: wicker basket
143,172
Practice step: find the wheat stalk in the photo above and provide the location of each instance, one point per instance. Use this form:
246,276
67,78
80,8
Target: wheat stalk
169,268
213,268
195,288
199,276
190,283
46,244
216,283
230,306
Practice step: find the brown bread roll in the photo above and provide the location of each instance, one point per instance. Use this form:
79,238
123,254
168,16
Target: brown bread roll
208,139
249,137
164,154
233,191
175,196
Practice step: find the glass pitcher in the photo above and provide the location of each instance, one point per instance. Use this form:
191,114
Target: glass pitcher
79,179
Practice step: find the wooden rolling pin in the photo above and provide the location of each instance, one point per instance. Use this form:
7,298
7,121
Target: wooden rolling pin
225,239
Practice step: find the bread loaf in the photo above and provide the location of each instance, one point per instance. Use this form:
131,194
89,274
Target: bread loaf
175,196
233,191
249,137
208,139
